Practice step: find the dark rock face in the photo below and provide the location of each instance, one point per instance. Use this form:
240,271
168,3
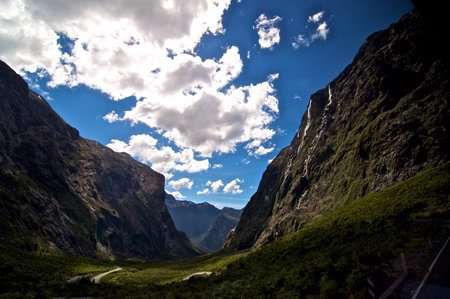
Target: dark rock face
61,191
383,119
204,224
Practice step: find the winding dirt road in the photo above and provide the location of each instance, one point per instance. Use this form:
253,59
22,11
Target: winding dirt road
96,279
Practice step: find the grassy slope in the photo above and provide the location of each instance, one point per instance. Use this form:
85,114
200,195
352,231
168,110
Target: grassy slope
25,275
139,275
333,255
329,258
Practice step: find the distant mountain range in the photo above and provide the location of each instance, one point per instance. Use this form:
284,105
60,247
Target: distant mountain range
205,225
61,192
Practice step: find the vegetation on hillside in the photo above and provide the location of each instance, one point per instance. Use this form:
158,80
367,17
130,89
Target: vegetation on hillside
329,258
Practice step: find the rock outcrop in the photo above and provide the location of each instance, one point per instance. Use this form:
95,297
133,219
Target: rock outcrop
383,119
63,192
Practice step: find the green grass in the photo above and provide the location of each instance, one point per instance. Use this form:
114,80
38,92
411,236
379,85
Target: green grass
329,258
37,275
335,253
140,274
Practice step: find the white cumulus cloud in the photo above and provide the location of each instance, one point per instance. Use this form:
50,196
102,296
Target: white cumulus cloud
320,32
115,43
261,150
183,183
164,159
209,119
215,185
317,17
211,187
111,117
233,187
145,49
269,34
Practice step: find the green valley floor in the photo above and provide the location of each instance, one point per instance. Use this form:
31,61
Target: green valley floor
331,257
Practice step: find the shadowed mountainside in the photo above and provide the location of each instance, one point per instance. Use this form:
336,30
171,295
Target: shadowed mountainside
59,191
383,119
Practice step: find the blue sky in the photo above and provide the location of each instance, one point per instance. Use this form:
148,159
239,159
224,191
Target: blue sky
83,91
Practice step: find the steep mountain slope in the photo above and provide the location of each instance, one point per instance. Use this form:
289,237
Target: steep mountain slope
60,191
330,257
204,224
192,218
218,231
383,119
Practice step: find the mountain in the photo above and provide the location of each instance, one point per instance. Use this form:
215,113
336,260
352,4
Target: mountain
59,191
384,206
204,224
218,231
382,120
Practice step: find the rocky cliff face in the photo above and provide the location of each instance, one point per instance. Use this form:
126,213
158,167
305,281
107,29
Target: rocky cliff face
206,226
384,118
58,190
